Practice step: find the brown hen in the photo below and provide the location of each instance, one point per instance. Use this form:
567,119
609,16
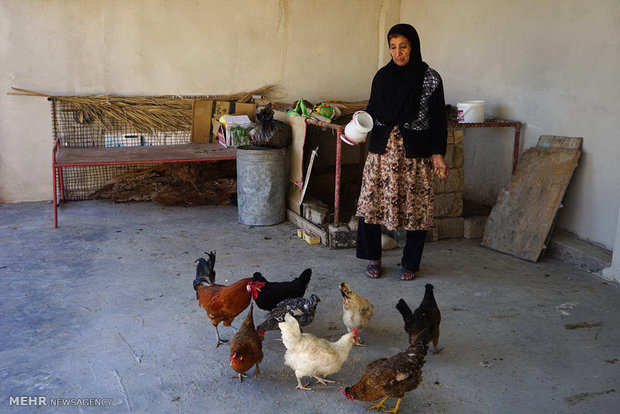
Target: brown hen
246,347
391,377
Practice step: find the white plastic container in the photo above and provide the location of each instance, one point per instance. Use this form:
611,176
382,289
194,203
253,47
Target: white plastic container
357,130
470,111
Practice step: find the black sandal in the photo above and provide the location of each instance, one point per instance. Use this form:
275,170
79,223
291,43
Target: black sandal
373,267
404,270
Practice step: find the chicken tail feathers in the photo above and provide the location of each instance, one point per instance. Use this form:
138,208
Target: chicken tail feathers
429,297
211,259
304,278
204,272
201,267
291,334
404,310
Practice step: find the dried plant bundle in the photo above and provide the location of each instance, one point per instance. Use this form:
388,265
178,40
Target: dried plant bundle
144,113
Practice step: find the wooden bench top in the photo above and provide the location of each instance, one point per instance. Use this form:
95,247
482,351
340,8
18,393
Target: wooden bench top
154,154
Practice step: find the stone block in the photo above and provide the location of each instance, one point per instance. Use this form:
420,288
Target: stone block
455,136
454,156
458,135
388,243
449,228
452,184
473,227
581,253
311,239
448,205
316,211
340,236
432,235
353,223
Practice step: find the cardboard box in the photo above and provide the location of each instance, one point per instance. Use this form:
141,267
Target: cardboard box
204,111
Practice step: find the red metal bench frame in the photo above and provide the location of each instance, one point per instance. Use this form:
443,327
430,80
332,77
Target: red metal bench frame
156,154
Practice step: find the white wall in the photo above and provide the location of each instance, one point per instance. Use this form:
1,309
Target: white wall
316,49
613,271
553,65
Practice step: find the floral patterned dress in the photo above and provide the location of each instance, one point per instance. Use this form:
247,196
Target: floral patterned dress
397,192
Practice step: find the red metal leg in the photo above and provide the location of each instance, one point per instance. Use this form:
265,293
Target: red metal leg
515,151
55,201
337,184
62,185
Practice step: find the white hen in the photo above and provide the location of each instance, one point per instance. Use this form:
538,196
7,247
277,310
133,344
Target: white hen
310,356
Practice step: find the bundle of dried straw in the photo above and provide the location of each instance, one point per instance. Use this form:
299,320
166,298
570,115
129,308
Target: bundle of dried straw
143,113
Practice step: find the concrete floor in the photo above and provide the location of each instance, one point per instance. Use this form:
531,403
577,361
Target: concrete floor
104,307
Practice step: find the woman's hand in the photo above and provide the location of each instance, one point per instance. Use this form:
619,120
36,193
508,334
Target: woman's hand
439,166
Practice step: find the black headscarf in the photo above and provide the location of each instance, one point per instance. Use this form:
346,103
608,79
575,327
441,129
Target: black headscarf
396,90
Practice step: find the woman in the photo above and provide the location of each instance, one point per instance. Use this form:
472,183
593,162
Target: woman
407,146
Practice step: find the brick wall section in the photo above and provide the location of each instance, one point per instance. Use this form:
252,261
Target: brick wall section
448,221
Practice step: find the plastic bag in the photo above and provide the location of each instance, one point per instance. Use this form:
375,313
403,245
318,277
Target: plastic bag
327,110
270,132
240,134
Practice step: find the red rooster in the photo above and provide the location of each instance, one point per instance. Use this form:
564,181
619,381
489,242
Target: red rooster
222,303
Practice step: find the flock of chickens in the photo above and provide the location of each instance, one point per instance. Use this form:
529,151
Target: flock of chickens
307,355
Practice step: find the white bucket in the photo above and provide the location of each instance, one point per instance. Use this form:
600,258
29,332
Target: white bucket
470,111
359,127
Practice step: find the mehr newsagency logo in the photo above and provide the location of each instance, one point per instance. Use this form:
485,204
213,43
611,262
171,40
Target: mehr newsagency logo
39,401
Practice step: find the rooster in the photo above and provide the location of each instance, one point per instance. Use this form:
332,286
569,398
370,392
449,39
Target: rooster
310,356
427,316
302,309
222,303
356,310
246,347
391,377
273,293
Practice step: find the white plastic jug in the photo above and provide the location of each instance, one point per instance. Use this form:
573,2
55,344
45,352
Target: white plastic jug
357,130
470,111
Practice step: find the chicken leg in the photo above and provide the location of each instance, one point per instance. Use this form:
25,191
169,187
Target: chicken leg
240,376
378,406
219,340
323,381
395,409
300,386
435,340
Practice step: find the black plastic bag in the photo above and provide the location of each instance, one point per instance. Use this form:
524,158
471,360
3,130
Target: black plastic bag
270,132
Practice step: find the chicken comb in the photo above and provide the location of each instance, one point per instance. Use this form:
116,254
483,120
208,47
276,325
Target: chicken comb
345,392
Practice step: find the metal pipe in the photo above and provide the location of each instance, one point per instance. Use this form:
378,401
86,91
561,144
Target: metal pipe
54,149
515,151
337,184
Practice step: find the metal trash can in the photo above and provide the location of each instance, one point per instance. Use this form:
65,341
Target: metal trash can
261,185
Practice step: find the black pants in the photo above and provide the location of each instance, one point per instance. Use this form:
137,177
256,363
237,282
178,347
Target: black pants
369,245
